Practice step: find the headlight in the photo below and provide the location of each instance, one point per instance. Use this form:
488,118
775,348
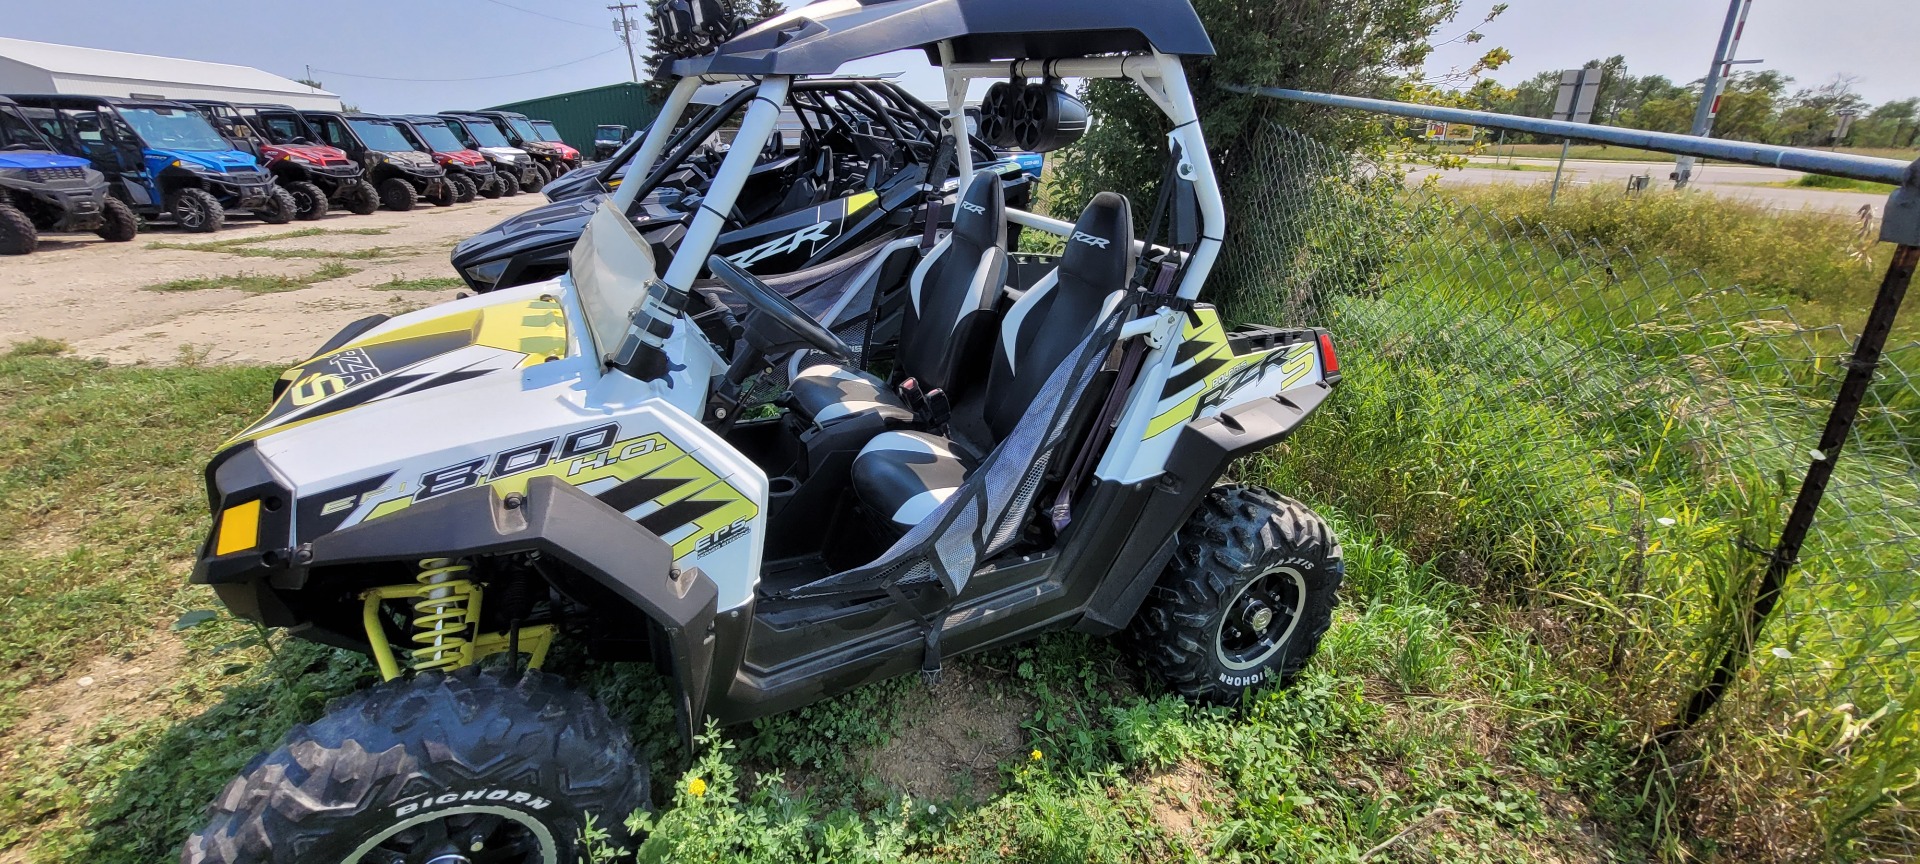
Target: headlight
300,159
488,272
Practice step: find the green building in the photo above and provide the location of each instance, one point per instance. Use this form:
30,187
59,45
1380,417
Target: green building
576,114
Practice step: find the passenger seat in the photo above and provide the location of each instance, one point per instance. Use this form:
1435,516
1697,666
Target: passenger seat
943,338
903,476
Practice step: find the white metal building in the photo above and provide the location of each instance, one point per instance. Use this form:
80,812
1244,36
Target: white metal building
43,67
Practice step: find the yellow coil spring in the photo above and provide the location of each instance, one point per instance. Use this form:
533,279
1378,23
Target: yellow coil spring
440,615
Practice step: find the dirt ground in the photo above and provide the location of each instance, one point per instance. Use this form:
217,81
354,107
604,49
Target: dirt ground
96,297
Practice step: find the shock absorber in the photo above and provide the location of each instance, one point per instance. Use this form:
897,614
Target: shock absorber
441,614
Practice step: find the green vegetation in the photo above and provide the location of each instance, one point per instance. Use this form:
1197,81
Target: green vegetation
248,247
431,283
1820,181
256,283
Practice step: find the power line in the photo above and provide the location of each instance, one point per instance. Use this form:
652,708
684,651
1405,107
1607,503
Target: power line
479,78
543,15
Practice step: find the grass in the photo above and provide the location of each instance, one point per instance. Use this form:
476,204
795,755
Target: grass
1821,181
431,283
256,283
248,247
1425,701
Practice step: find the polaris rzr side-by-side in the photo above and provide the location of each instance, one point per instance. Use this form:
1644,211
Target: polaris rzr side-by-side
315,174
42,190
517,168
846,170
401,174
162,158
459,490
468,170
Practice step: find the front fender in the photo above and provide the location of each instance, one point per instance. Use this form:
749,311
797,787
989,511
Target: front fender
565,524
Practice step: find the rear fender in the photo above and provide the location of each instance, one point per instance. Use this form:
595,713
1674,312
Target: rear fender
567,525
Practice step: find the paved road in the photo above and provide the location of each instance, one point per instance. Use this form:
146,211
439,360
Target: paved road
1736,181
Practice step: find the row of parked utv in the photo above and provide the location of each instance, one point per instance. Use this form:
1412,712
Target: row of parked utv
105,165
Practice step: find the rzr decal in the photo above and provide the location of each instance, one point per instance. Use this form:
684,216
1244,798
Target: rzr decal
1207,377
816,234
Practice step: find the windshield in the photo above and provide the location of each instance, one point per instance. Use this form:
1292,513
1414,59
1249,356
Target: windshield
380,135
608,134
174,129
547,132
15,132
523,129
438,137
483,132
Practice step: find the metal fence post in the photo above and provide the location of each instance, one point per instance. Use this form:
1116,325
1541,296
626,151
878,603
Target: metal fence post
1900,226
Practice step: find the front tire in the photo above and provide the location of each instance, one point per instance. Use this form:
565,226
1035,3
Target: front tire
120,225
196,211
1246,599
280,208
442,194
509,184
309,202
360,198
398,195
464,189
492,188
427,769
17,234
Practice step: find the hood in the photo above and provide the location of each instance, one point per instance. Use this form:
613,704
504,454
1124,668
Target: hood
546,225
410,158
446,346
221,161
509,153
574,184
547,147
566,151
39,159
460,157
318,154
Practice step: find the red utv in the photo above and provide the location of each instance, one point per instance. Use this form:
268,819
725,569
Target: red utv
315,174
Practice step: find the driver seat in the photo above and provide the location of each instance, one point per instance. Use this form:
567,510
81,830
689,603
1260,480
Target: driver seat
950,304
901,477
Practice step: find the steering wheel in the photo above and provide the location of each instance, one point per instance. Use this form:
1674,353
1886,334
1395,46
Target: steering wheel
777,325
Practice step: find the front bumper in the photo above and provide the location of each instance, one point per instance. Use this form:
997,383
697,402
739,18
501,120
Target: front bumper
77,205
240,191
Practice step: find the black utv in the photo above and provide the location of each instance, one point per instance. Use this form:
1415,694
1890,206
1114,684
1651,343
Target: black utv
833,180
554,158
163,158
402,175
43,190
317,175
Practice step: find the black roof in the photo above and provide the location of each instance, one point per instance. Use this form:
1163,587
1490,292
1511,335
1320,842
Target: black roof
818,38
420,118
70,100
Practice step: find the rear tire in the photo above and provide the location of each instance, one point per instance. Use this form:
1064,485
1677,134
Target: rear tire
360,198
121,225
398,195
425,769
196,211
280,207
17,234
491,188
464,189
309,203
1247,597
509,184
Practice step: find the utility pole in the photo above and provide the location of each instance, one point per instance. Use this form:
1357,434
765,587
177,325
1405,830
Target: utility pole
1716,77
624,27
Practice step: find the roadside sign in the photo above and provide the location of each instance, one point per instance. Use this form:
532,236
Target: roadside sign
1579,90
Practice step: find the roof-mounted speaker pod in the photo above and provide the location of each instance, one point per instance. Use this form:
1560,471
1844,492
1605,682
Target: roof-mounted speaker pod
998,112
1049,118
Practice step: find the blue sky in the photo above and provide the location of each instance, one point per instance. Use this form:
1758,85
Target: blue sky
487,39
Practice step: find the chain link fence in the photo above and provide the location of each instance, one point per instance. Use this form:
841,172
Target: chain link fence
1619,439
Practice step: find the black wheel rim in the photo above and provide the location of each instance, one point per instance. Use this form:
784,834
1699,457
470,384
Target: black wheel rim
1260,619
476,835
188,215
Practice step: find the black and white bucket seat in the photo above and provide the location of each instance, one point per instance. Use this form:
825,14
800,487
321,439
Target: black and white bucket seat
902,476
949,313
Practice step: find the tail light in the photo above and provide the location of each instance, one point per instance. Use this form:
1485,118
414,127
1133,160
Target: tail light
1329,361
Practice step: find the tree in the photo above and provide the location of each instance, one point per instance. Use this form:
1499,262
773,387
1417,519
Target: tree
1359,47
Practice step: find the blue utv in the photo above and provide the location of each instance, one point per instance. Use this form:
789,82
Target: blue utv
41,190
164,158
